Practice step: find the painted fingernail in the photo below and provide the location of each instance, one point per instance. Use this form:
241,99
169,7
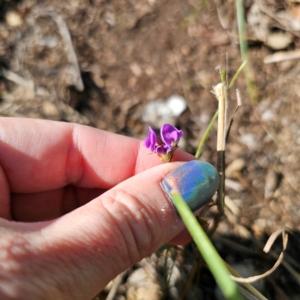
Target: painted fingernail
196,181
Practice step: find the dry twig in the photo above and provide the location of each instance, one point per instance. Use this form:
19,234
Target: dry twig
65,34
282,56
266,249
117,281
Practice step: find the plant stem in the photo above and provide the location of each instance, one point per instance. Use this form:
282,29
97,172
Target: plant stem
206,133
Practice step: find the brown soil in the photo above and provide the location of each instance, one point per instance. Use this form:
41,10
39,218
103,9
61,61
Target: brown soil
132,52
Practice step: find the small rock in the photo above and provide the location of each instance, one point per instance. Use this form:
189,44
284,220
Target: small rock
272,182
159,112
268,115
177,105
98,80
249,140
135,69
279,40
13,19
110,18
50,110
144,284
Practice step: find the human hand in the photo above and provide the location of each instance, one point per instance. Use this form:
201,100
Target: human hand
77,206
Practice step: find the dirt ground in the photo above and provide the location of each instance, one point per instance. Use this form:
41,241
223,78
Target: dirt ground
100,63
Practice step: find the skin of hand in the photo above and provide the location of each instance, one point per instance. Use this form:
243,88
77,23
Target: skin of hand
78,206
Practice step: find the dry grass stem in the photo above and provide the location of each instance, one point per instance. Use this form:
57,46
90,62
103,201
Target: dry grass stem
282,56
238,105
266,249
65,34
220,92
248,286
17,79
116,283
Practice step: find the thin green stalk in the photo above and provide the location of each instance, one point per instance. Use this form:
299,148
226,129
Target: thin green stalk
207,250
223,75
244,49
240,13
206,133
237,73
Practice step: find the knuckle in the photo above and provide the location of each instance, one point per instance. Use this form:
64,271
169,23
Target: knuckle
134,220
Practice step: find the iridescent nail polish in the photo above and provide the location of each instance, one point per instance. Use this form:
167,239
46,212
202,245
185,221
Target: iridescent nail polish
196,181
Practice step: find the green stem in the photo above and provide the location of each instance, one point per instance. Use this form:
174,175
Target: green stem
240,12
207,250
237,73
244,49
206,133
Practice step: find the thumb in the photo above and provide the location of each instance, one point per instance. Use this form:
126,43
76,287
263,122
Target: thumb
76,255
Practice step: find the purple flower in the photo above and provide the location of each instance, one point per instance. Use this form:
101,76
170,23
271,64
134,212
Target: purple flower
162,149
151,141
170,135
165,146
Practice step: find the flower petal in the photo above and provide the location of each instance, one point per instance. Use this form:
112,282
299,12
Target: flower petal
151,141
162,149
176,135
170,134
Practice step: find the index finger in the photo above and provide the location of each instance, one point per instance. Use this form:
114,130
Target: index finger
41,155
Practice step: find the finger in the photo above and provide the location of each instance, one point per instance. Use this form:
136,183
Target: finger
39,155
51,204
182,238
86,248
